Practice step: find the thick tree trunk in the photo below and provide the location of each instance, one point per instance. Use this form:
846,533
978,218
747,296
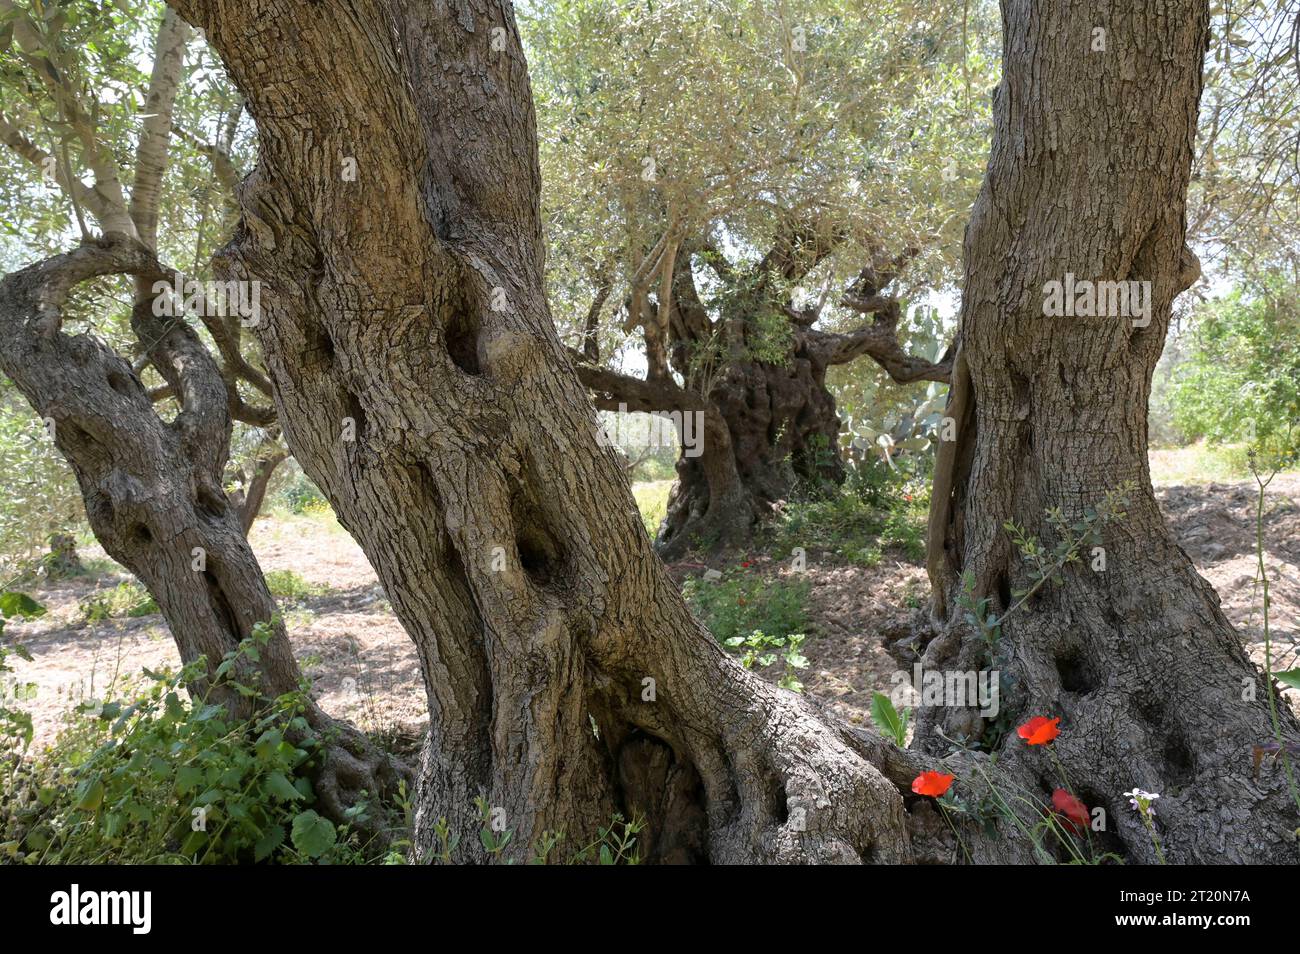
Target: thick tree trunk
1088,175
782,429
62,561
566,678
768,426
152,490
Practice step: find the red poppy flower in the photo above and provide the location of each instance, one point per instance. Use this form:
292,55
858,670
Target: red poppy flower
746,565
1039,730
1073,810
931,783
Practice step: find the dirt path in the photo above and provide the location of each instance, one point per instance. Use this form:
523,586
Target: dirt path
363,667
859,610
345,636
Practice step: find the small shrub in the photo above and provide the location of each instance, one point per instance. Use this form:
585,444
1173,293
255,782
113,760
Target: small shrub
743,601
763,650
165,775
300,495
16,728
128,599
905,530
290,585
877,508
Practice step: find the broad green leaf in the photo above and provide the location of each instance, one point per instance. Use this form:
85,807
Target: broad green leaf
20,604
89,794
188,777
272,838
1290,677
312,835
282,788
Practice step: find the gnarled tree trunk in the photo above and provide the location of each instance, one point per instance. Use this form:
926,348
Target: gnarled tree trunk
782,427
566,678
152,489
1091,155
768,424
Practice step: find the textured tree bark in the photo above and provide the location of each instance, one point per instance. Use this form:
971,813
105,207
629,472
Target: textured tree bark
782,428
767,424
152,489
421,385
565,676
1088,175
62,561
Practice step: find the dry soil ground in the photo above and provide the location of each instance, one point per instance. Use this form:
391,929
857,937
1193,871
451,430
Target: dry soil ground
363,667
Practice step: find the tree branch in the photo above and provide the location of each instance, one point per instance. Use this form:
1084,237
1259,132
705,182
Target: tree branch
879,340
80,378
798,249
590,328
108,184
612,391
76,190
151,153
223,167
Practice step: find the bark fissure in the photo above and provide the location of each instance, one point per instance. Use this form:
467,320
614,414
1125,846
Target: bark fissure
503,532
1088,175
153,489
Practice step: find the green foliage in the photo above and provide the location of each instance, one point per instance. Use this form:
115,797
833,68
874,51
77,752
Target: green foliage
15,724
128,599
1288,677
614,843
652,502
1069,539
1240,380
40,496
290,585
883,421
299,494
18,605
763,650
891,723
493,839
734,120
166,775
905,530
1044,563
975,613
742,601
878,508
312,836
842,522
658,469
1244,189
